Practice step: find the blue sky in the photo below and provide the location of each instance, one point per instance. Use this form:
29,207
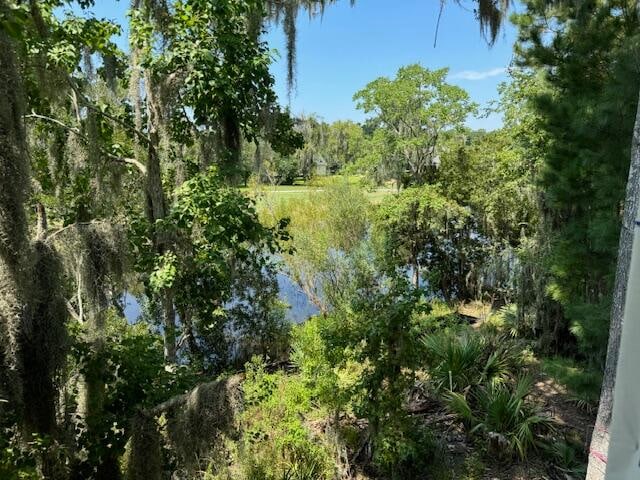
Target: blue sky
342,51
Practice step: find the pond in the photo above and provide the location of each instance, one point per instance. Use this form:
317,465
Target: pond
300,307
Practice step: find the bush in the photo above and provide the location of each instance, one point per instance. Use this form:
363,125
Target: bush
569,457
505,321
500,412
454,359
277,444
309,354
477,375
441,316
459,360
403,449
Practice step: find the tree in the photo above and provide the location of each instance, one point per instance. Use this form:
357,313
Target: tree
345,145
94,146
588,226
219,246
213,63
35,44
413,112
373,330
582,11
431,234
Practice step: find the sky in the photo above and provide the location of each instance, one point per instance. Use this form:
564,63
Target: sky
348,47
340,52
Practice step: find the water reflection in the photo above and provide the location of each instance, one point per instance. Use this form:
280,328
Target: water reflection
289,292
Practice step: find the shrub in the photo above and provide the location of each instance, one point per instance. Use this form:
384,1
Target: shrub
502,414
569,457
404,449
441,316
309,354
453,359
458,360
277,444
504,321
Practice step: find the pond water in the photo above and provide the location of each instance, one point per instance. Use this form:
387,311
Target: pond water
300,307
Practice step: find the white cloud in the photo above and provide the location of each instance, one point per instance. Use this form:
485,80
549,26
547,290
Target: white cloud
476,75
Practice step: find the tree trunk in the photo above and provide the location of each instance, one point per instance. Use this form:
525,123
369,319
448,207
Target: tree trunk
187,322
14,184
169,324
416,273
157,210
32,312
156,202
600,438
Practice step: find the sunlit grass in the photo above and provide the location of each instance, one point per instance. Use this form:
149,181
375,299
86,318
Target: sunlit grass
275,193
582,382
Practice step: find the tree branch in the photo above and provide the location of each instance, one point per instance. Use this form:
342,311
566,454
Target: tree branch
89,104
232,382
115,158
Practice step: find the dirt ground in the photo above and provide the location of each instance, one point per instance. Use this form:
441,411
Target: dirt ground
463,459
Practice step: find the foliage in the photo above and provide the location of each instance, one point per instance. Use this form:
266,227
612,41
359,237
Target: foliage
441,316
488,173
362,358
375,330
480,376
425,231
16,461
587,110
413,111
569,457
131,367
345,145
457,361
504,321
310,355
221,249
527,215
326,149
501,412
405,449
277,444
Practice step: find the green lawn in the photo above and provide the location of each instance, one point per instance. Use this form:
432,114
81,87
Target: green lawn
277,192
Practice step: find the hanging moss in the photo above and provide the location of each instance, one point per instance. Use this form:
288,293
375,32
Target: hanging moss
289,25
32,312
491,14
205,417
286,12
143,458
14,182
43,342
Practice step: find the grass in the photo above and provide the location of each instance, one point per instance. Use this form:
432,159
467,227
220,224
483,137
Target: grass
275,193
582,382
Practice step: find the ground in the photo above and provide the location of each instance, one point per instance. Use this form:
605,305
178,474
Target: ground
464,460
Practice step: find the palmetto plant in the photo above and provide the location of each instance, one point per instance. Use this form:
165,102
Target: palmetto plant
459,361
502,412
453,359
